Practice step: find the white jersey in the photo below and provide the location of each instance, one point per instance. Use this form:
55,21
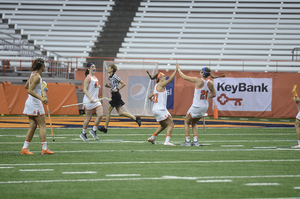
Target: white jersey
160,99
201,95
33,106
298,116
93,90
159,108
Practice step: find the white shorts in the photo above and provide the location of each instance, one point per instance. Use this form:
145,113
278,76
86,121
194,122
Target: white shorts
197,112
161,114
298,116
33,107
91,106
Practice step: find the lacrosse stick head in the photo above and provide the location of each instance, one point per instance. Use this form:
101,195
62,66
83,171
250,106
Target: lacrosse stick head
294,91
44,89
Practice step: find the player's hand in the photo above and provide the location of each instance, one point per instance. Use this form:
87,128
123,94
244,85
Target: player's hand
115,90
45,101
107,85
91,100
297,100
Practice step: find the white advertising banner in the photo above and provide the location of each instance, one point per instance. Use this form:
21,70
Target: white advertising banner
243,94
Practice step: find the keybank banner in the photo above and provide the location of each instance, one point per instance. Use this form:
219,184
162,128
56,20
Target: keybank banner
137,91
243,94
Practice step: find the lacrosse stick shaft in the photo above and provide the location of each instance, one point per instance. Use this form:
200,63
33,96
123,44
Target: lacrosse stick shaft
85,102
50,123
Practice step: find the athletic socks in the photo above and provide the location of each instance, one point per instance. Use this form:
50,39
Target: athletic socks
195,138
187,138
168,138
95,128
298,142
153,136
44,145
26,144
84,131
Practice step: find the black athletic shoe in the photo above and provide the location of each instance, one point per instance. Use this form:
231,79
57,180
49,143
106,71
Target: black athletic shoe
102,128
138,120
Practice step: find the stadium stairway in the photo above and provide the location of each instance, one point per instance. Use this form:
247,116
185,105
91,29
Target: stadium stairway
115,30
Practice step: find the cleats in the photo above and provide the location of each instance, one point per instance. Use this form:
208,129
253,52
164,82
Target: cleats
187,143
195,143
151,140
26,151
169,144
296,147
94,134
47,152
138,120
83,137
102,129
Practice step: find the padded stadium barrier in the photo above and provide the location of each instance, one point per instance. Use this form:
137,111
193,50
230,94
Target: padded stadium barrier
281,103
13,98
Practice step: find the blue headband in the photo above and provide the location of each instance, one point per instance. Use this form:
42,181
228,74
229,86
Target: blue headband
90,65
204,72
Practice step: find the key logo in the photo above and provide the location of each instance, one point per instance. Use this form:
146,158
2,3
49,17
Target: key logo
223,99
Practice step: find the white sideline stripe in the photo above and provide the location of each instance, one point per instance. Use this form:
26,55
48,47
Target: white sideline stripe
121,175
204,181
262,184
206,134
232,145
266,147
230,177
177,142
150,162
80,172
36,169
166,150
296,187
131,179
7,167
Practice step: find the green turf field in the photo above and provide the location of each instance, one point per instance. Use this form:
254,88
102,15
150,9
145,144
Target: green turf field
233,163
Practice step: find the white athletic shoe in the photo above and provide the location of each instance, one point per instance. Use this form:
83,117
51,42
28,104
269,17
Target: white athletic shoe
169,144
151,140
296,147
94,134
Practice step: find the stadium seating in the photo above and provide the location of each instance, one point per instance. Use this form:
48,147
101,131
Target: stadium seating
264,31
68,28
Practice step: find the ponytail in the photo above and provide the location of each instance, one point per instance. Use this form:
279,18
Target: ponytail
207,72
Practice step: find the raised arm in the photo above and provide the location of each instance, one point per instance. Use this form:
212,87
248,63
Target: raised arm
212,89
185,77
170,79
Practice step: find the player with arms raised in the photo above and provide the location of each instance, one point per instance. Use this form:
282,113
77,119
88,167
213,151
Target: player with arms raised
204,89
159,109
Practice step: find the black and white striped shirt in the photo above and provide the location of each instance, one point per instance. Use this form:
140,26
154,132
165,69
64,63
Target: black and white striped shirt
114,82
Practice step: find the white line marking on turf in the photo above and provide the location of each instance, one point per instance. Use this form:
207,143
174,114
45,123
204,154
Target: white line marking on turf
36,170
80,172
262,184
150,162
266,147
131,179
232,145
296,187
7,167
121,175
204,181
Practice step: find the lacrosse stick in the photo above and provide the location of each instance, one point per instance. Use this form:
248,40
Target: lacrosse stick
294,91
86,102
44,90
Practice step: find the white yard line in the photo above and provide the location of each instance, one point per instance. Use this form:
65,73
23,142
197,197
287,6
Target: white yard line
225,179
262,184
80,172
36,169
122,175
209,181
150,162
